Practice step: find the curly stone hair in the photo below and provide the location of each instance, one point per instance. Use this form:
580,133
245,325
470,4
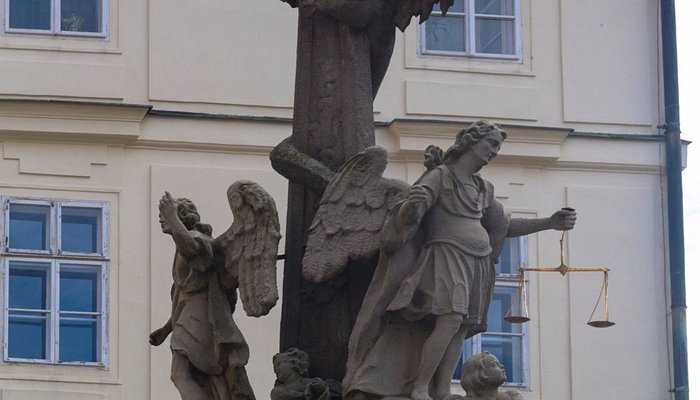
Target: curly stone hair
473,377
300,360
188,214
467,137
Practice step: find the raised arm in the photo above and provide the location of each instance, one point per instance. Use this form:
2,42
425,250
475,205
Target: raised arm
184,241
561,220
300,167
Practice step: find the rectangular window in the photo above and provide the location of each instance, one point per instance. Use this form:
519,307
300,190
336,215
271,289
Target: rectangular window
474,28
55,272
57,17
506,341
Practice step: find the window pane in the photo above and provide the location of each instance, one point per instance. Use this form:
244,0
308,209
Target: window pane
502,298
509,260
78,338
508,350
79,289
81,15
28,285
444,34
29,227
81,229
495,36
30,14
467,351
458,6
27,335
494,7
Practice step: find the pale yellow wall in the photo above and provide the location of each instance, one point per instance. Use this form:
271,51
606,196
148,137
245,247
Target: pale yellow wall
591,66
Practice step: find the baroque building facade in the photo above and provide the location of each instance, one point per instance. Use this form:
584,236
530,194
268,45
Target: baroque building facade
105,104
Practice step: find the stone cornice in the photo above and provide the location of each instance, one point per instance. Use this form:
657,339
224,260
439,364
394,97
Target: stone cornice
70,121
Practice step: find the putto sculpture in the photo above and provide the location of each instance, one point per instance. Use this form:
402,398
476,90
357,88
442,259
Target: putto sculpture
438,241
481,377
209,352
293,382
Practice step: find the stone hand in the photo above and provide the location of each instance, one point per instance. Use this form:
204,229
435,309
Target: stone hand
563,220
168,206
316,388
410,210
157,337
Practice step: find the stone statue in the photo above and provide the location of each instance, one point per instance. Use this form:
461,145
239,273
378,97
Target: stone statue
293,382
434,280
482,374
209,351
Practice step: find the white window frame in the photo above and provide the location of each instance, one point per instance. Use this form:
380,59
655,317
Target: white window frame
512,280
55,26
56,259
469,16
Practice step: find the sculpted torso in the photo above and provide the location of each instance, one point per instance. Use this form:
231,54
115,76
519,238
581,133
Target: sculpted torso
455,211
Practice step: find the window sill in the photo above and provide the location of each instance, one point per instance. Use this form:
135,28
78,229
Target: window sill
483,65
62,43
61,376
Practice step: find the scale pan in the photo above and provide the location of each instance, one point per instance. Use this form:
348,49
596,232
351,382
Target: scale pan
601,324
516,319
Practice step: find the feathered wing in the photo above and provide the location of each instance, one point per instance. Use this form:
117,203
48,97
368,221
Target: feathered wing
351,214
250,247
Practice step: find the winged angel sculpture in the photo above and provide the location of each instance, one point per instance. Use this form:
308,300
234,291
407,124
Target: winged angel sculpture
209,351
438,241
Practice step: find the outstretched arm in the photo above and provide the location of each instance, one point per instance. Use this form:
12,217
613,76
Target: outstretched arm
157,337
300,167
185,243
562,220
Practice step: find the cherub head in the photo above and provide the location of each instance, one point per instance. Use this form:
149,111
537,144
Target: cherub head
484,138
482,372
291,364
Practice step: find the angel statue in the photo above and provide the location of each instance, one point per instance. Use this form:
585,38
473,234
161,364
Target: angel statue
434,280
209,351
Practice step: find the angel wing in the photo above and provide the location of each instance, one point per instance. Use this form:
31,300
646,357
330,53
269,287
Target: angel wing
250,247
351,214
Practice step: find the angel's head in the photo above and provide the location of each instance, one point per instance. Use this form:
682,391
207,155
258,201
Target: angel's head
483,138
188,214
290,364
482,371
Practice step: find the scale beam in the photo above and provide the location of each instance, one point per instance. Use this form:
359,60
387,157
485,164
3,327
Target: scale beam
563,269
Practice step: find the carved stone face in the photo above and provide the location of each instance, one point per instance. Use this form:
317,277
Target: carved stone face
283,366
164,225
487,147
494,372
